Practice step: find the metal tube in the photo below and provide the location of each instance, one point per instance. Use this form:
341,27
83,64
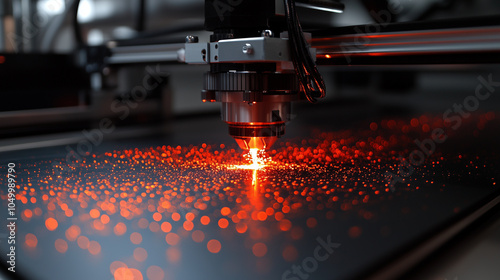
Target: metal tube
413,45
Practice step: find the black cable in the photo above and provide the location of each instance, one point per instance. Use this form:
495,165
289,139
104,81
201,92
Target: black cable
310,79
76,26
141,16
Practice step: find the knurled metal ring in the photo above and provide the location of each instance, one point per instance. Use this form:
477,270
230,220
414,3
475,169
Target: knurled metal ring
263,82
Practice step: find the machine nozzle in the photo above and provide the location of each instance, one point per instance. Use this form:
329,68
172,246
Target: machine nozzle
259,143
255,105
261,137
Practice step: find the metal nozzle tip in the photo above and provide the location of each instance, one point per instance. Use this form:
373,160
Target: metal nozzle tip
260,143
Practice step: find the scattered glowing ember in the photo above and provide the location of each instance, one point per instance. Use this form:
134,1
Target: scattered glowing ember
180,195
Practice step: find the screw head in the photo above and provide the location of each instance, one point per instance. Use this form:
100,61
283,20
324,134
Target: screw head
191,39
247,49
267,33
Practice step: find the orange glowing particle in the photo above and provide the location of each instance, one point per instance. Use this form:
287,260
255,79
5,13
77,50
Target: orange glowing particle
286,209
205,220
83,204
83,242
214,246
242,215
172,239
241,227
94,247
116,265
94,213
355,232
157,216
166,204
311,222
285,225
125,213
176,216
120,229
105,219
31,240
98,225
198,236
262,216
68,213
190,217
235,219
61,246
136,238
155,273
124,273
259,249
290,253
173,255
140,254
225,211
73,232
166,227
33,200
51,224
223,223
28,213
279,216
188,225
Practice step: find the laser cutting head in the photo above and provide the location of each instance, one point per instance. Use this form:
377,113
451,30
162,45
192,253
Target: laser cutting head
255,106
260,62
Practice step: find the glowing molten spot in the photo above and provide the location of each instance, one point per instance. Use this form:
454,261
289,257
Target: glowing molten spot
258,161
256,158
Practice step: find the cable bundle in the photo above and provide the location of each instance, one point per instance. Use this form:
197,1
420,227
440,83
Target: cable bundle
310,79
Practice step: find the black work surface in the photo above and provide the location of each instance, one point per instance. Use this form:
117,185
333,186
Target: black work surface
324,184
